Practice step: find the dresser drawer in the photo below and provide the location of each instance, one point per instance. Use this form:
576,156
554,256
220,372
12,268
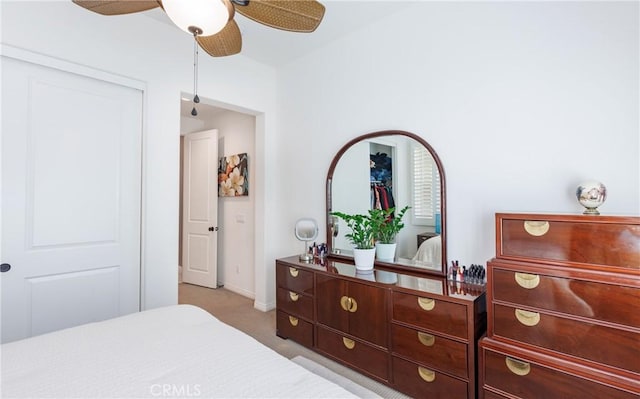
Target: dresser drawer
491,395
354,352
294,303
575,239
612,346
524,379
430,350
294,279
422,382
430,313
299,330
607,302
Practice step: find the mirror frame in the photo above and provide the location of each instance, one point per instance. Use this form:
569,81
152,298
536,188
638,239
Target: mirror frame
443,201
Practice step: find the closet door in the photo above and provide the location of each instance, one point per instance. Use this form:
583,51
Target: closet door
71,189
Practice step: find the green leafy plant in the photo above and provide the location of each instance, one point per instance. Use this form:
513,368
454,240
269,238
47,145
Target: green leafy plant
385,225
361,235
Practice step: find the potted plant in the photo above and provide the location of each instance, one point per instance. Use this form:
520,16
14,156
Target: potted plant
385,228
362,238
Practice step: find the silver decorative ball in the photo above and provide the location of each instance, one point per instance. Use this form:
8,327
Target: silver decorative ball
591,194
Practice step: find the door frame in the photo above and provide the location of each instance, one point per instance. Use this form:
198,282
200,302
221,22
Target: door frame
82,70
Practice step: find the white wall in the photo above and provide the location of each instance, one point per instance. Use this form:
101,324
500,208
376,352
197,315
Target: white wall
140,48
236,217
350,189
521,100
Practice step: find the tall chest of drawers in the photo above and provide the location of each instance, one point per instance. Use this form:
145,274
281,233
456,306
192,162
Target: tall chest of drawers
563,308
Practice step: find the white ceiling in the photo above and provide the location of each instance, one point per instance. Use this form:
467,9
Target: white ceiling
276,47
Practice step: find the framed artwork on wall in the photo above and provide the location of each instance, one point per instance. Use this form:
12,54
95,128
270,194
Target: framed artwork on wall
233,176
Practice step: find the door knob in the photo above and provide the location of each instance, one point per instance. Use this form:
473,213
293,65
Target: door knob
5,267
213,228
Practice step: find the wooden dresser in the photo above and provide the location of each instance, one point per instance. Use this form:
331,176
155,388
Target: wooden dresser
564,308
414,333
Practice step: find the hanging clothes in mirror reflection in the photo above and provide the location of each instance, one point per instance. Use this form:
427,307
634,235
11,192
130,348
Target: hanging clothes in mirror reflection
381,176
381,195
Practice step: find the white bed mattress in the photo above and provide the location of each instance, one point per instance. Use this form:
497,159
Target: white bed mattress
430,251
177,351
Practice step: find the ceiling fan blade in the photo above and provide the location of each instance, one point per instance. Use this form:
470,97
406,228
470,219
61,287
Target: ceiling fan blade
226,42
117,7
291,15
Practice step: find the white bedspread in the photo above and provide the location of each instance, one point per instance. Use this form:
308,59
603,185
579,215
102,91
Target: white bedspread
430,251
177,351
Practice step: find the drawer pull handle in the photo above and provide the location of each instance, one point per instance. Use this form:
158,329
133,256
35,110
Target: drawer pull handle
527,318
427,303
528,281
348,343
344,303
294,297
536,228
293,272
353,305
517,367
426,339
293,321
426,374
348,304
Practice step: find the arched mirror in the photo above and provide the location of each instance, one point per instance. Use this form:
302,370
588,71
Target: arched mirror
391,168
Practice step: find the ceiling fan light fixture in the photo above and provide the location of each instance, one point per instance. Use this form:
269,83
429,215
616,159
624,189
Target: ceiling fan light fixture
213,29
207,16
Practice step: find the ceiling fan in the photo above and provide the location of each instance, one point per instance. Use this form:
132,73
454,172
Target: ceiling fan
211,21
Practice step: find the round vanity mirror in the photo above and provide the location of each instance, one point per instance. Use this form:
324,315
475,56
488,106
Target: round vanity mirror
306,230
391,169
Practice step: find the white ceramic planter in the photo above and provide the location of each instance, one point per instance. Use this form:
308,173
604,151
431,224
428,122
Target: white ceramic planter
386,277
386,252
364,258
365,275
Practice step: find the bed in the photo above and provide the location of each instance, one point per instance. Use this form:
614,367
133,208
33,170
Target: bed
176,351
430,251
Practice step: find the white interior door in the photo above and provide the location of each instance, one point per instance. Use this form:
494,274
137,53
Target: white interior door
200,209
71,181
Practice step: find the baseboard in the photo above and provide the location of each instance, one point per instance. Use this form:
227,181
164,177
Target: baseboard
240,291
265,307
262,306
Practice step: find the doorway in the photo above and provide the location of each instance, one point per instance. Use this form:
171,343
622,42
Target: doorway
236,215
